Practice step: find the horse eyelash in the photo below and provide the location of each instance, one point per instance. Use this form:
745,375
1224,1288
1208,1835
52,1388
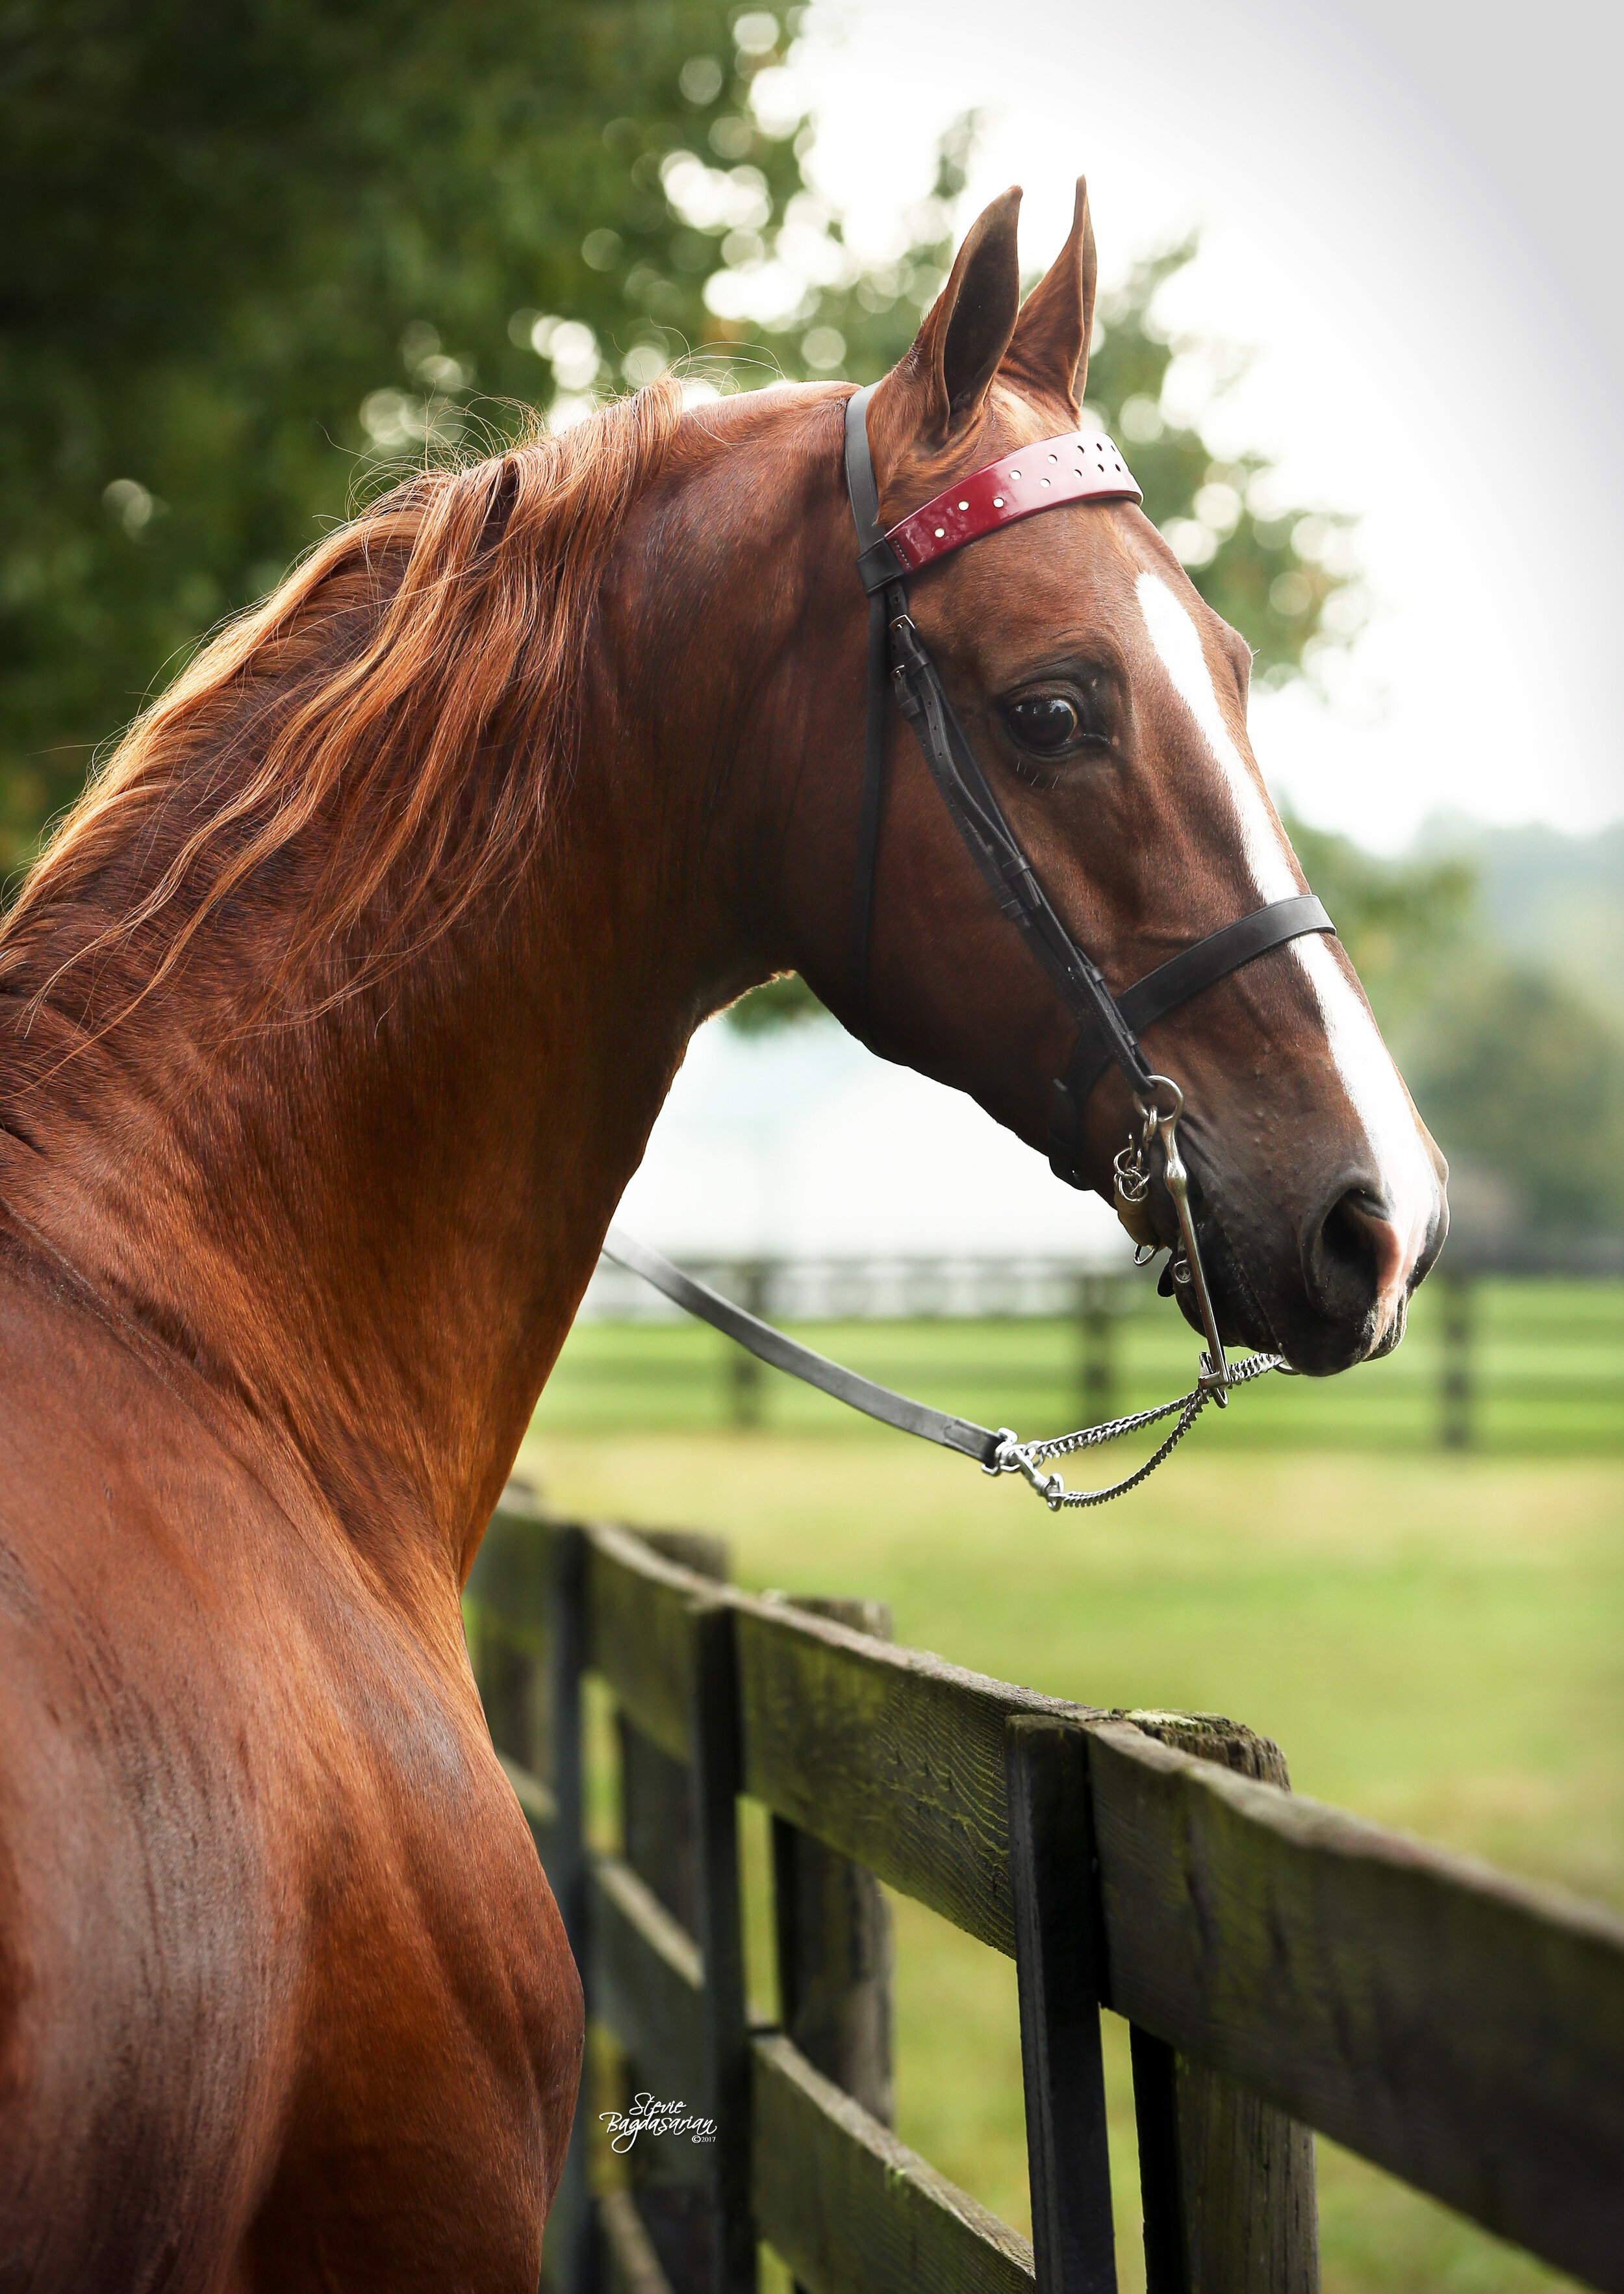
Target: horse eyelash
1027,769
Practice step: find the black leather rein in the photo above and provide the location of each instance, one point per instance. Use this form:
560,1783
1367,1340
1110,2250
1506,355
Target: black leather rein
1109,1026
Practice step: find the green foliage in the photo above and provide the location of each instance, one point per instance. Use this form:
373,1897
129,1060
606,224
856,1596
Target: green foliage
1520,1078
876,313
1281,576
775,1003
257,256
1550,898
249,251
1398,919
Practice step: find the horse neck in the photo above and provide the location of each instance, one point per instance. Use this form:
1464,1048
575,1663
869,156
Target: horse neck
369,1230
365,1235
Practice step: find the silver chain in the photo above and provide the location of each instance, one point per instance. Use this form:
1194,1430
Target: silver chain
1014,1456
1214,1374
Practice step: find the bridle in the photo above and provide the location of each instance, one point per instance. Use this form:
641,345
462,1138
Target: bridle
1074,468
1077,467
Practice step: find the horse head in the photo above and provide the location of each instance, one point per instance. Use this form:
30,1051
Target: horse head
1106,704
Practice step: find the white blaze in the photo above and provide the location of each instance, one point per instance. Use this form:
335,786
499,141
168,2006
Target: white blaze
1363,1062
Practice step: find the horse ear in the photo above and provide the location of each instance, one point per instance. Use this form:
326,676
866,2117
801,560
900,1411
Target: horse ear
944,379
1048,351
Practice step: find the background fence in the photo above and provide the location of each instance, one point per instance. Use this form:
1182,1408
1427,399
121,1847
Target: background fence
1509,1356
1282,1966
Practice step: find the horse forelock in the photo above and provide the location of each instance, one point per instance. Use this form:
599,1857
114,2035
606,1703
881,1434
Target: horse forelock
390,730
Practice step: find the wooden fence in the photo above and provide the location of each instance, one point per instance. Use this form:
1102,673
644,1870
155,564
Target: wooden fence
1283,1965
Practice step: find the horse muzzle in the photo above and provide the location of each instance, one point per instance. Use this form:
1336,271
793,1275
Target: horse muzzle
1339,1298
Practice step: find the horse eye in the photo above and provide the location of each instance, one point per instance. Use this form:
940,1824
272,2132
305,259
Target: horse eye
1045,724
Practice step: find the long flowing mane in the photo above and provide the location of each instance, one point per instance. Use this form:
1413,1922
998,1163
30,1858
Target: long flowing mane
389,730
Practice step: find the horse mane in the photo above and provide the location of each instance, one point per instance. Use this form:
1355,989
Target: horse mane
411,692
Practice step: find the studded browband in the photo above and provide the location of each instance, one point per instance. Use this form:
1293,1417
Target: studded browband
1078,467
1083,469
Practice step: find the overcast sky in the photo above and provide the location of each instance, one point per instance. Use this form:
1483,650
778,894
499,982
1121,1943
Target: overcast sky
1410,215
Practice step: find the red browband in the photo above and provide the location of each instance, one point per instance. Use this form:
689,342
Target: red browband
1078,467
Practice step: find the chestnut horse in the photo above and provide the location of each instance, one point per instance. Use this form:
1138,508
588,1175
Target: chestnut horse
336,1020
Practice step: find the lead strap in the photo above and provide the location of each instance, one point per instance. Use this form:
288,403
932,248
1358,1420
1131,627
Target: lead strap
1003,1452
783,1353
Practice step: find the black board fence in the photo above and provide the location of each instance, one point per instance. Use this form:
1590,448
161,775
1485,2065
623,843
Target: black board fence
1506,1352
1284,1966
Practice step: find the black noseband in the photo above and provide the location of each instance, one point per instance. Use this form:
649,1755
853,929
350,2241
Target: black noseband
1109,1026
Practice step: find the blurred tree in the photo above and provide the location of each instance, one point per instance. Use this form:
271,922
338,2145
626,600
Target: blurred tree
774,1002
255,252
1281,576
1519,1078
248,246
1398,920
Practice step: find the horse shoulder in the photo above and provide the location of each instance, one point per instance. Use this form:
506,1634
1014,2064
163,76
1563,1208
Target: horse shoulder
279,1974
440,1999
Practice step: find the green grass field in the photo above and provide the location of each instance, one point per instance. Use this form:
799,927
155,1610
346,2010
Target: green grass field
1436,1642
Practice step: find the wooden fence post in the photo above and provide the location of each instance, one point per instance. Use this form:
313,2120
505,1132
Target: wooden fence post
508,1692
658,1841
833,1932
507,1665
744,1379
1454,1305
1227,2180
528,1651
569,2249
1097,1397
721,1939
1059,1966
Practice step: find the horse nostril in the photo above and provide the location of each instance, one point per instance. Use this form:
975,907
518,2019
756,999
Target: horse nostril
1353,1263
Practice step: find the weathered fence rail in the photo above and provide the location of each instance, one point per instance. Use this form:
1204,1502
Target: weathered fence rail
1283,1965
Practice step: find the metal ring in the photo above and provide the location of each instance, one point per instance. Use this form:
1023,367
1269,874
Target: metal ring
1153,1114
1002,1462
